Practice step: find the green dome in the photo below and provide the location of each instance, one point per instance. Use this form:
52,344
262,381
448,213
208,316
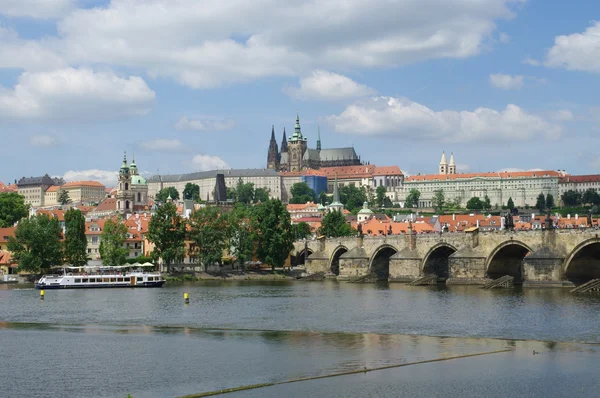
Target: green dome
138,180
365,209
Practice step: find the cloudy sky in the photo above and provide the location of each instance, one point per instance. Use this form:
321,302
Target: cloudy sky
193,85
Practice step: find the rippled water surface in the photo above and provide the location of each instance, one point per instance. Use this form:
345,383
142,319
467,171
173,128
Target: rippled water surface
147,342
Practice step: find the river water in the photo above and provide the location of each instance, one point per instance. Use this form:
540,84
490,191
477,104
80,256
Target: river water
148,343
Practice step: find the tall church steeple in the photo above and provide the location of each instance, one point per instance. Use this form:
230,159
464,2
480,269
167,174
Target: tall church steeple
284,145
273,154
318,138
452,165
443,164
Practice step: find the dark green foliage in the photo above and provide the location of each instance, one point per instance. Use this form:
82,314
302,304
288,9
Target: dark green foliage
112,242
191,191
36,245
75,245
334,225
209,232
261,195
244,192
380,195
301,193
12,208
273,232
164,194
438,201
167,231
139,259
549,201
352,197
324,199
63,197
590,197
571,198
387,202
301,231
240,233
540,203
412,199
510,204
487,205
475,204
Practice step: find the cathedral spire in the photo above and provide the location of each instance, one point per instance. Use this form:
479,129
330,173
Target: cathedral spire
273,153
273,133
318,138
297,131
284,144
336,193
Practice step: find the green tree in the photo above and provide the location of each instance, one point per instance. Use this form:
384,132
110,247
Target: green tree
590,197
438,201
487,204
352,197
510,204
540,203
164,194
230,193
63,197
380,192
550,201
209,231
240,233
571,198
301,231
412,199
112,243
324,198
12,208
167,231
191,191
334,225
273,232
387,202
244,192
302,193
261,194
36,245
475,203
75,245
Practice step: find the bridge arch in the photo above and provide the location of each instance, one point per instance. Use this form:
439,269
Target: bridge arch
300,258
379,263
436,261
334,261
583,263
507,259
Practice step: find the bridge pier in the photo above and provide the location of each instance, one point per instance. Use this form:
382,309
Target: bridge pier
467,267
316,263
544,267
405,266
354,263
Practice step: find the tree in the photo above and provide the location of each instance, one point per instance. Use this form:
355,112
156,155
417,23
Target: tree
240,233
12,208
387,202
244,192
334,225
510,204
324,198
550,201
591,197
167,231
230,193
75,245
164,194
571,198
209,231
261,194
301,231
352,197
36,245
438,201
475,203
540,203
63,197
487,204
380,195
191,191
412,199
302,193
112,241
273,232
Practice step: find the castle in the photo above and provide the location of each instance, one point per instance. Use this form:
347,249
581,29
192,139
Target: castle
296,156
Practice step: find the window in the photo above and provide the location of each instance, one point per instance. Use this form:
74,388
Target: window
84,280
119,279
113,279
77,280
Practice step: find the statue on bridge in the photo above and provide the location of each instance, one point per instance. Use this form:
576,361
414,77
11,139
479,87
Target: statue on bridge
360,231
548,221
509,223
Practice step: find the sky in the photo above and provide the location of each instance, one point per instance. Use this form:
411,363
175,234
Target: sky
188,85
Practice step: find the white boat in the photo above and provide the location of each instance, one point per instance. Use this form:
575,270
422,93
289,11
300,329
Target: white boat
101,277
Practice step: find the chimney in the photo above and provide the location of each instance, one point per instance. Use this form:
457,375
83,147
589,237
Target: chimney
576,216
453,217
568,216
532,217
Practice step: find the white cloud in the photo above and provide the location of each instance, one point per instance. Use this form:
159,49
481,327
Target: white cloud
324,85
204,124
207,162
17,53
506,82
531,61
108,178
562,115
577,51
504,38
36,8
75,94
163,145
42,141
214,42
406,119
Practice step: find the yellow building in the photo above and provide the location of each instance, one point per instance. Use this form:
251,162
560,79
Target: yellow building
51,196
84,191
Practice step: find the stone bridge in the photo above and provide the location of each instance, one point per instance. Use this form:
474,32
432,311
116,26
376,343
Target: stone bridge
542,257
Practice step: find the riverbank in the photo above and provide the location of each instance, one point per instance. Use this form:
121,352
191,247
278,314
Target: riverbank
234,275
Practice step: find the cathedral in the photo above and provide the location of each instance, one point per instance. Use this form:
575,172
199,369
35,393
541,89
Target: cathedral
296,156
132,189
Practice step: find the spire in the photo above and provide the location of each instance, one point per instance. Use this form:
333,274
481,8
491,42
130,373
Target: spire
451,159
336,193
443,161
297,131
273,153
284,144
319,138
124,158
273,133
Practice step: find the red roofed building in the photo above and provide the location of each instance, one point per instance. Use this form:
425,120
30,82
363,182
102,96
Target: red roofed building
370,176
578,184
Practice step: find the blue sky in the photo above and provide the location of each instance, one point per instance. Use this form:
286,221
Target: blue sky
188,85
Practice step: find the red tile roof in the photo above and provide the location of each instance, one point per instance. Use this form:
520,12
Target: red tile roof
308,172
387,171
503,175
582,178
53,188
107,204
6,232
59,214
344,172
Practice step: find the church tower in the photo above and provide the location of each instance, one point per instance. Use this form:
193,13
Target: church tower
452,165
284,144
124,191
273,155
319,138
297,145
443,164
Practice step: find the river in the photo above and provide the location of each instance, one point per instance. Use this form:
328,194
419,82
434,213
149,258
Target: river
148,343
